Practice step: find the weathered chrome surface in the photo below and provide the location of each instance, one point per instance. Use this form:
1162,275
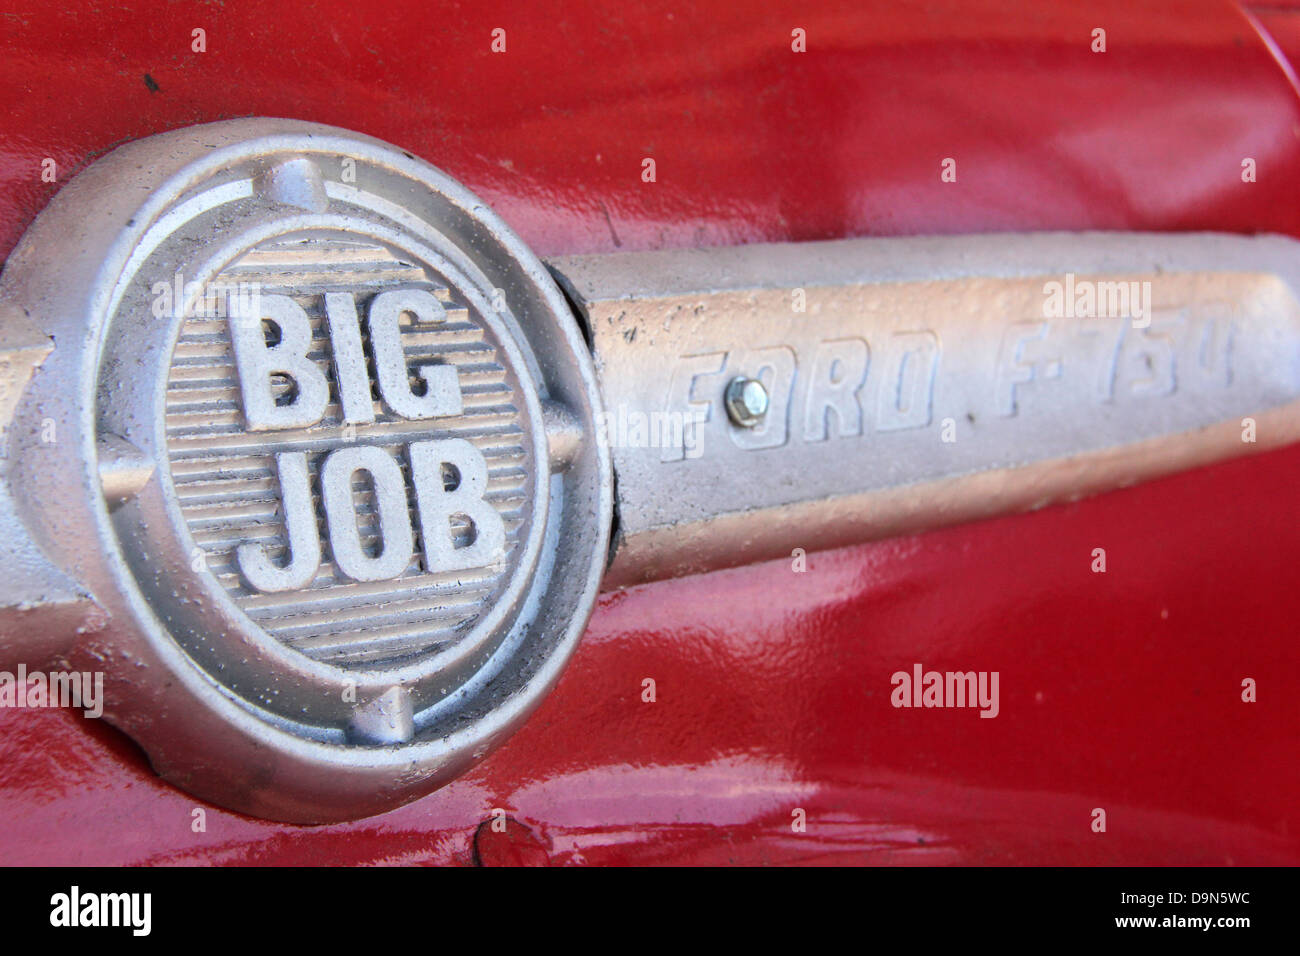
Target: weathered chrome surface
301,439
918,382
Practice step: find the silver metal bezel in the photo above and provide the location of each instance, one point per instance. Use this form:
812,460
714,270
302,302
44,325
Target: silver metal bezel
220,741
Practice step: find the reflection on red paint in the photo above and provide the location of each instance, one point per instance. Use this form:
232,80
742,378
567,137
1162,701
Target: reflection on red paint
1119,691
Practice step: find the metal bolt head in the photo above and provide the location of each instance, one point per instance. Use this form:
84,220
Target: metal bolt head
746,401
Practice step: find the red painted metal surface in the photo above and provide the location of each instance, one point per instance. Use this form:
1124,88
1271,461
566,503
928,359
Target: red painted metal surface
1119,691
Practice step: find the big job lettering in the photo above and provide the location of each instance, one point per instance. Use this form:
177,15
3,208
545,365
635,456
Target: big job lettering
449,475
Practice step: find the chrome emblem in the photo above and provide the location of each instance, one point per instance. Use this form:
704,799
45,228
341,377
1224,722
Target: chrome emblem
347,519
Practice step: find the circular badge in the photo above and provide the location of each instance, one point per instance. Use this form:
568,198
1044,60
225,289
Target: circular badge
335,475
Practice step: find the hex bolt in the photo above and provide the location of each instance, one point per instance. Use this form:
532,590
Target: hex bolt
746,401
